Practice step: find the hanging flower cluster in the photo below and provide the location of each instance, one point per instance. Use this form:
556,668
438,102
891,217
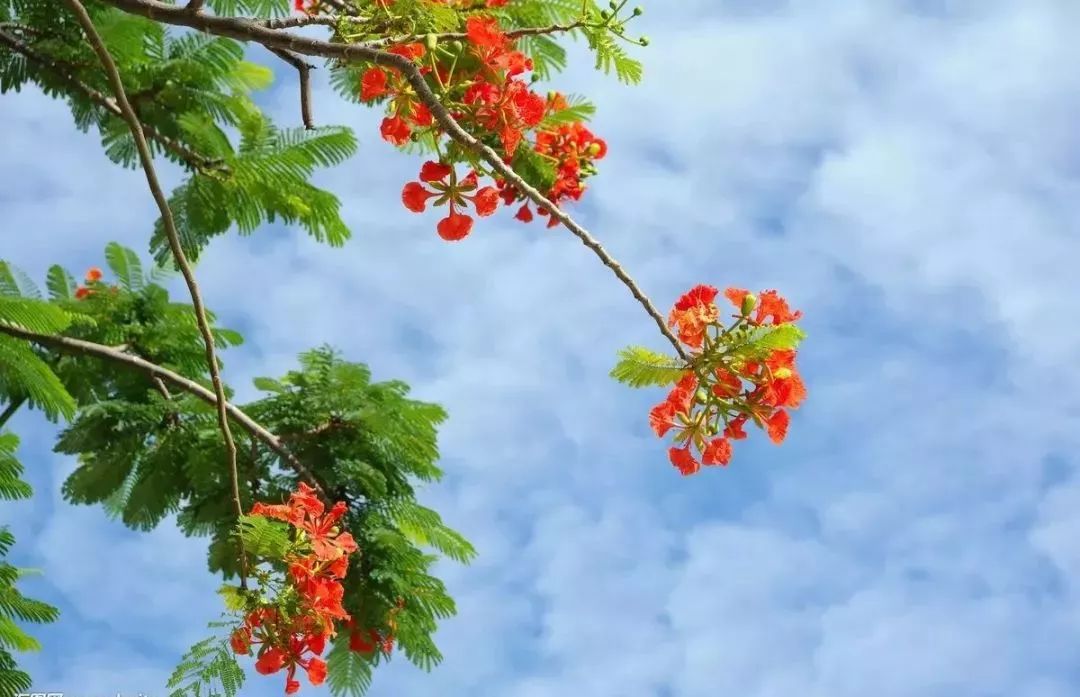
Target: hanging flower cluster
291,630
739,372
482,83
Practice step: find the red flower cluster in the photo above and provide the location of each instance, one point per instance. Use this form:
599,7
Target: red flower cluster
710,406
573,148
296,637
93,278
483,88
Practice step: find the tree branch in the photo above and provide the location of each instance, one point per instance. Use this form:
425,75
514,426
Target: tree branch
303,69
178,253
10,409
247,30
191,158
156,372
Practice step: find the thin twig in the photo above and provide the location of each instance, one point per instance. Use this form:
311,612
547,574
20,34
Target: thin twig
303,69
191,158
178,253
462,36
89,348
10,410
246,30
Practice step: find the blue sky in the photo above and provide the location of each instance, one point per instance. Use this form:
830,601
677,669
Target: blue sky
904,172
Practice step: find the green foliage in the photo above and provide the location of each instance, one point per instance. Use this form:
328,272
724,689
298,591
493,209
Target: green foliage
263,537
759,342
612,57
15,608
268,182
348,673
147,452
640,367
578,109
208,669
60,283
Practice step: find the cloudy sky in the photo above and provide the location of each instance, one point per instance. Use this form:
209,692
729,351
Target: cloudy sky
904,171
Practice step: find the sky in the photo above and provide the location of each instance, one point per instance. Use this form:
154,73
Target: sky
905,172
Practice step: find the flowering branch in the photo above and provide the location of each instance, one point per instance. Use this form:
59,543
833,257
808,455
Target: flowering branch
249,30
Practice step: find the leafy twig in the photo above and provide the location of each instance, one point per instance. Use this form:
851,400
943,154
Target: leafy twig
169,224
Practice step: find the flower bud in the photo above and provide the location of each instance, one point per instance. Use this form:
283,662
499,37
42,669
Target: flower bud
593,150
432,42
701,396
638,11
644,41
748,303
613,4
604,14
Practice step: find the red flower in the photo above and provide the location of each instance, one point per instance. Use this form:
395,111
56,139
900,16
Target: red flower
485,32
415,197
421,115
734,429
410,51
455,226
524,214
81,292
777,425
771,305
435,171
363,642
271,660
693,312
395,130
736,296
241,641
292,686
373,84
486,201
94,274
717,452
316,671
684,461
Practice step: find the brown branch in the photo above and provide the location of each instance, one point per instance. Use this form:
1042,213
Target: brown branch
178,253
247,30
303,69
154,371
301,21
191,158
462,36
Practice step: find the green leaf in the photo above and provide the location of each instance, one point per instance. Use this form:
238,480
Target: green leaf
234,597
125,266
264,538
60,283
14,283
348,673
781,338
640,367
23,372
269,385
